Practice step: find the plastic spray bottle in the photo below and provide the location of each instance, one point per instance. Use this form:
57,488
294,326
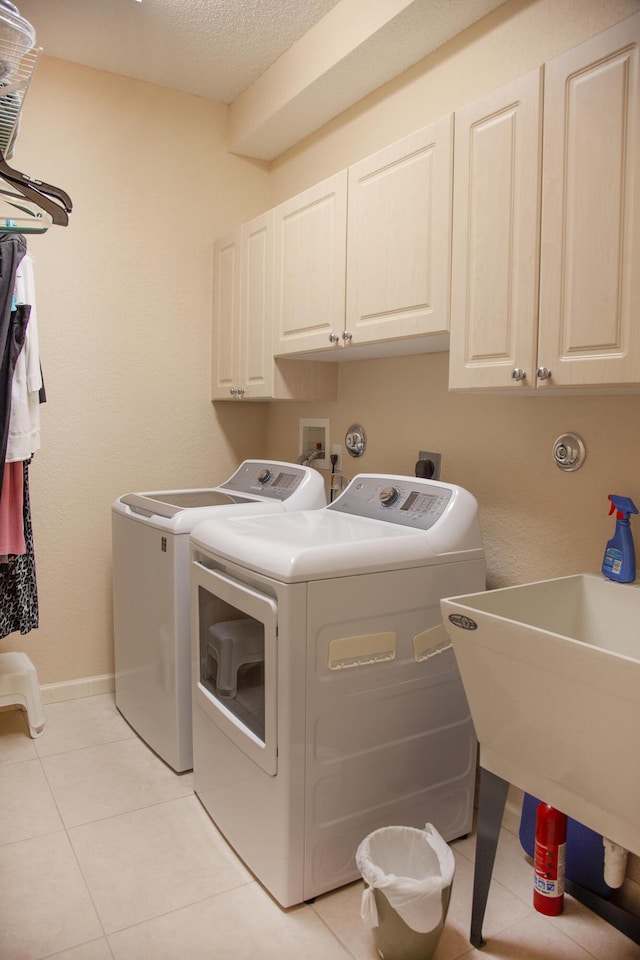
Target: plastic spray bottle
619,561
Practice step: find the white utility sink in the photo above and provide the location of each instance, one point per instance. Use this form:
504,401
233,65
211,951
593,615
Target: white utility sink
552,674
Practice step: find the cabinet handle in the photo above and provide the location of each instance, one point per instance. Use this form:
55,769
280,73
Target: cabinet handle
543,373
233,391
346,336
333,338
240,391
518,374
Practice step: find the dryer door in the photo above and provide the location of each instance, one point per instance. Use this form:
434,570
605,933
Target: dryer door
235,661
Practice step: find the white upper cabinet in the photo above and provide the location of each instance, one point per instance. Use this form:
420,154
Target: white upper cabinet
496,241
310,240
225,347
243,365
241,356
364,257
509,234
547,226
399,239
255,365
590,260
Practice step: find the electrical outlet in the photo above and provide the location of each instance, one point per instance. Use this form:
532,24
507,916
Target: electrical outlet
436,459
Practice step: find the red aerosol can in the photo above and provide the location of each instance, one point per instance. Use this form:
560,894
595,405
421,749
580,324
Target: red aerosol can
549,860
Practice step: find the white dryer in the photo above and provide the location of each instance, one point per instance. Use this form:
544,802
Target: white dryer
150,542
326,697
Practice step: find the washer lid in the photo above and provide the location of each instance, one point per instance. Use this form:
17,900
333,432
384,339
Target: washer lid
320,544
166,503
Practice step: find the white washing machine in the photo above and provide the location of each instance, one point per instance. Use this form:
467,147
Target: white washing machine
326,697
150,539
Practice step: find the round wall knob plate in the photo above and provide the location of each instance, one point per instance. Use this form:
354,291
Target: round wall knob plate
569,452
355,440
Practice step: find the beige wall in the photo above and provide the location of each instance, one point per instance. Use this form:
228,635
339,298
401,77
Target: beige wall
124,303
537,520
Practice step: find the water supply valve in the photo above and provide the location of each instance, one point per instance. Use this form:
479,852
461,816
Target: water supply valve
355,440
569,452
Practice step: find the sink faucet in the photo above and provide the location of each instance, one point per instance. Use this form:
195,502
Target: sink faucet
309,456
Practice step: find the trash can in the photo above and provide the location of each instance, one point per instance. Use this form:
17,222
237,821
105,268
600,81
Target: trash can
408,875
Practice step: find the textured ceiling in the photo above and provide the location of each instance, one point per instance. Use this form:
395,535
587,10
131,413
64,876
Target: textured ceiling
286,67
213,48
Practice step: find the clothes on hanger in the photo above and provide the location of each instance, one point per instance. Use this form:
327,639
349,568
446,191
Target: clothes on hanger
32,206
14,349
20,388
12,328
11,512
24,421
18,586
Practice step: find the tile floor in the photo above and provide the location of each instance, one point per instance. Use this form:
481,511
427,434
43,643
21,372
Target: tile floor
106,854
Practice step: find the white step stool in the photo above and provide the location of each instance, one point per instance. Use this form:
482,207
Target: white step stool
233,644
19,685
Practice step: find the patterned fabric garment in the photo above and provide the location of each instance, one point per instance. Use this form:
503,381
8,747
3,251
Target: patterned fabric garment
18,588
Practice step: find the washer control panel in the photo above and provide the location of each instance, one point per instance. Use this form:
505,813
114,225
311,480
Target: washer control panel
408,501
274,480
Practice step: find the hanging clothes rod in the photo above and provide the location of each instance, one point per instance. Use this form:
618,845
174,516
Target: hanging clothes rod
44,195
18,215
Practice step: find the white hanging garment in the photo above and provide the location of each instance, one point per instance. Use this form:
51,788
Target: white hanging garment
24,423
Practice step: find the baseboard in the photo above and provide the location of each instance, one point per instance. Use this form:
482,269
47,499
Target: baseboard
75,689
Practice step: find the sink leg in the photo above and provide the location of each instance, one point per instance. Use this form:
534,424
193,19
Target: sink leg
492,797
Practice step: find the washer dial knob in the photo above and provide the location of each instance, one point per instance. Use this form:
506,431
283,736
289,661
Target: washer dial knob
388,495
264,475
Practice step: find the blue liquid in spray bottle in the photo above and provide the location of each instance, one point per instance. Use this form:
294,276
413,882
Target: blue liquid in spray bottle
619,561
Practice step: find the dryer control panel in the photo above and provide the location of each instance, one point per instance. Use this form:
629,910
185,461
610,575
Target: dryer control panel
408,501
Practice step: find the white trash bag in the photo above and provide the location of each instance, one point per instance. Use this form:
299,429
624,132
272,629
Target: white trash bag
411,868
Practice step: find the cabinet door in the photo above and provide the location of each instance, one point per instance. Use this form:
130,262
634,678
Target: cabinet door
225,349
256,348
590,273
310,241
496,238
399,238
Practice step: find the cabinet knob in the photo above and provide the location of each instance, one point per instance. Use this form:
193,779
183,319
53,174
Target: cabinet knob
518,374
240,391
543,373
346,336
333,338
233,391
